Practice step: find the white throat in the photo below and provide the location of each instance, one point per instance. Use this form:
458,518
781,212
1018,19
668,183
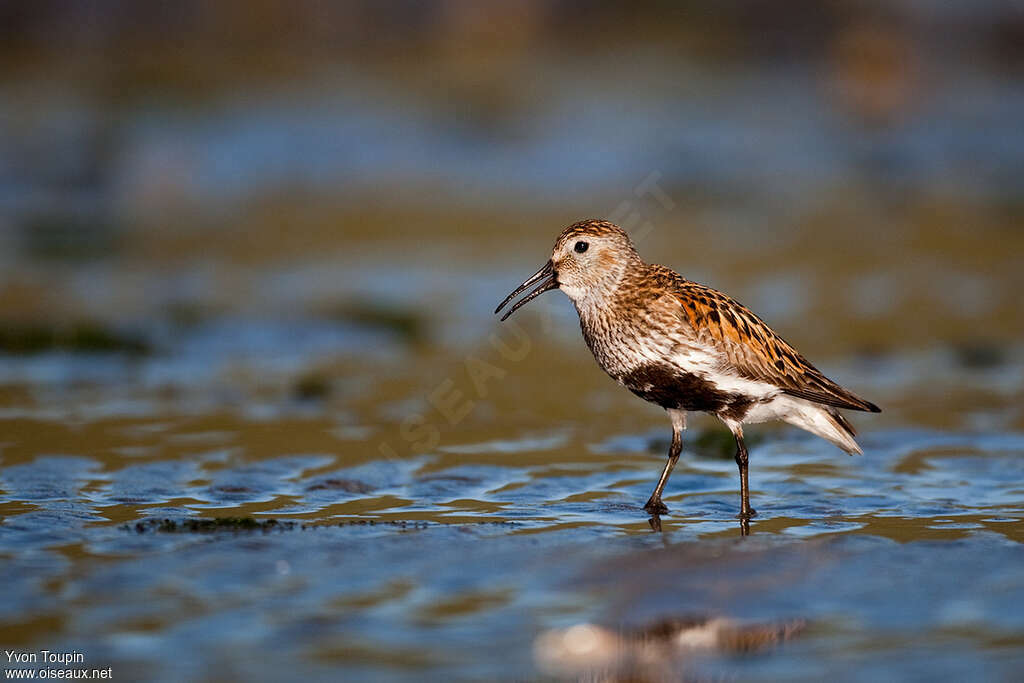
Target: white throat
598,293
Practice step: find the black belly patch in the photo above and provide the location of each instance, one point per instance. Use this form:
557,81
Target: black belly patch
669,388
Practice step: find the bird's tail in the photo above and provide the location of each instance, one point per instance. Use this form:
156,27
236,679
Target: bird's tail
828,423
846,441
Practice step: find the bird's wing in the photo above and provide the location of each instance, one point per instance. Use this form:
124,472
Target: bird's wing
752,348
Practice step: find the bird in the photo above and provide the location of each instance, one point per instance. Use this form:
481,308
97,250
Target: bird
686,347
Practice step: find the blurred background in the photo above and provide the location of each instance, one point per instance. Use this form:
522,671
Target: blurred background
854,164
247,248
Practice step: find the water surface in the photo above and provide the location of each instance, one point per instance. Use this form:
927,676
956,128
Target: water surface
392,560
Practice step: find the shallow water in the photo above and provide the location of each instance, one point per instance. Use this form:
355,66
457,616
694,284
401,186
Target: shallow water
398,559
272,302
448,489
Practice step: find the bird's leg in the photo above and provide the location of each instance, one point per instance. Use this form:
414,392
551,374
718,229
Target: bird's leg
746,512
654,504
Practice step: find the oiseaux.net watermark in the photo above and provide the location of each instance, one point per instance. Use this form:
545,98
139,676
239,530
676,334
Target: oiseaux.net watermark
51,665
455,397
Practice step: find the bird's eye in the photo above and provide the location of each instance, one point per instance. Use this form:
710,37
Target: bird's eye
581,247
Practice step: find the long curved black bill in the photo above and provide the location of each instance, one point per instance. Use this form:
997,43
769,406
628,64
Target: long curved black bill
543,278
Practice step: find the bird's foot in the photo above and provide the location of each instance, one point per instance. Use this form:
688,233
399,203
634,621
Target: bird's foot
655,507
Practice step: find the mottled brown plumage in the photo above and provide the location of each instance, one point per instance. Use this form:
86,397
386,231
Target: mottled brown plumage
685,346
751,347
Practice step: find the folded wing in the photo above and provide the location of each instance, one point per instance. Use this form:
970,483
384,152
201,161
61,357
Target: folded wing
753,349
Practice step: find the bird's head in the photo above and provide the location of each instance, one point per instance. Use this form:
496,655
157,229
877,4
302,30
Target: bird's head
587,263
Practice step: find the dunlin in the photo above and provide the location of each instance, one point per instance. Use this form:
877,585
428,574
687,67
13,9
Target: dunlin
686,347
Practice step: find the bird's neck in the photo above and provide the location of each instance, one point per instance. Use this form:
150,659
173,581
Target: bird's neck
602,297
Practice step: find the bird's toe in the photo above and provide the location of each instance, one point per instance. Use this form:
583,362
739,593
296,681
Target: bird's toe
655,507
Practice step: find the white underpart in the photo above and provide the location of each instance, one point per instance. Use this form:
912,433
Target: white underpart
573,292
620,351
708,365
770,403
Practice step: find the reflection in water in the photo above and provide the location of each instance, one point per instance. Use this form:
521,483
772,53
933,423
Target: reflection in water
400,567
660,651
744,522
